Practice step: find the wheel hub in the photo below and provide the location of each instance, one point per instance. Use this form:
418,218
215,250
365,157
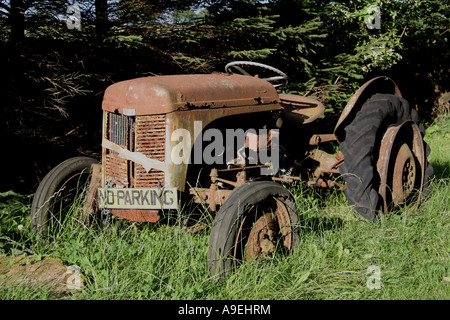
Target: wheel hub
262,238
265,233
401,164
404,176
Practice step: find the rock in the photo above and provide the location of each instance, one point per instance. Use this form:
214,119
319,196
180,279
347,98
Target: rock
48,273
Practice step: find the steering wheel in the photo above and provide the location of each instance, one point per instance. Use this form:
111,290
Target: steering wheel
281,76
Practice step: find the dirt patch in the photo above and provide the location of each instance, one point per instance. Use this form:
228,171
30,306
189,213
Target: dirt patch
48,273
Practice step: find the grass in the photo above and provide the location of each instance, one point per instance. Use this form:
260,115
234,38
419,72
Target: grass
404,256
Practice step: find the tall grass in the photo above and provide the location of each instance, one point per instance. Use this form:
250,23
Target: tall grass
340,256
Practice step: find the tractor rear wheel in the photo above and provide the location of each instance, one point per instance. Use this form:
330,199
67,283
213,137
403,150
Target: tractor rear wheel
61,191
258,219
385,157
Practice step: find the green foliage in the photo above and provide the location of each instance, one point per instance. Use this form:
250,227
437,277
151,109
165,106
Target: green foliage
132,261
14,221
411,33
13,210
125,42
440,152
318,44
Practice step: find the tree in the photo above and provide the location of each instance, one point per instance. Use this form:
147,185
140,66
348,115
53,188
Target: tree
101,18
15,13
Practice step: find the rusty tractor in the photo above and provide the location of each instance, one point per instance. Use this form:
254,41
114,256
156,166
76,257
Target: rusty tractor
226,142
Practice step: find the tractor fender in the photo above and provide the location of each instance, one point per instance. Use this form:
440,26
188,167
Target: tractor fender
380,84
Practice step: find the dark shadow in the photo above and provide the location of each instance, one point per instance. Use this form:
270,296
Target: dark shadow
320,224
441,170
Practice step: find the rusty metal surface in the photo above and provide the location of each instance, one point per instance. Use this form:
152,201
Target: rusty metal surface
400,144
151,141
211,196
137,215
262,238
95,182
117,168
376,85
326,160
165,94
321,138
324,174
265,232
300,109
404,178
144,134
112,165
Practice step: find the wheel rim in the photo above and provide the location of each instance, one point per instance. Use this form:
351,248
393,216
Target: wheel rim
264,236
401,164
404,177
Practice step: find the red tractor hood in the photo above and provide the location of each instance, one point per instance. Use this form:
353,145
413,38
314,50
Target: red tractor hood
164,94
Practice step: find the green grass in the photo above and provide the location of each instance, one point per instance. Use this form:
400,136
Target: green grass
334,259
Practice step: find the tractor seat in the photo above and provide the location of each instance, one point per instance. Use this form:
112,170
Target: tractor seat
300,109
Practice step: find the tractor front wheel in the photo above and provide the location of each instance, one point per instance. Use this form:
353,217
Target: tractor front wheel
258,219
61,191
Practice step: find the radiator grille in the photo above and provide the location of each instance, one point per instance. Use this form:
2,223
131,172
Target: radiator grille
118,131
151,141
144,134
